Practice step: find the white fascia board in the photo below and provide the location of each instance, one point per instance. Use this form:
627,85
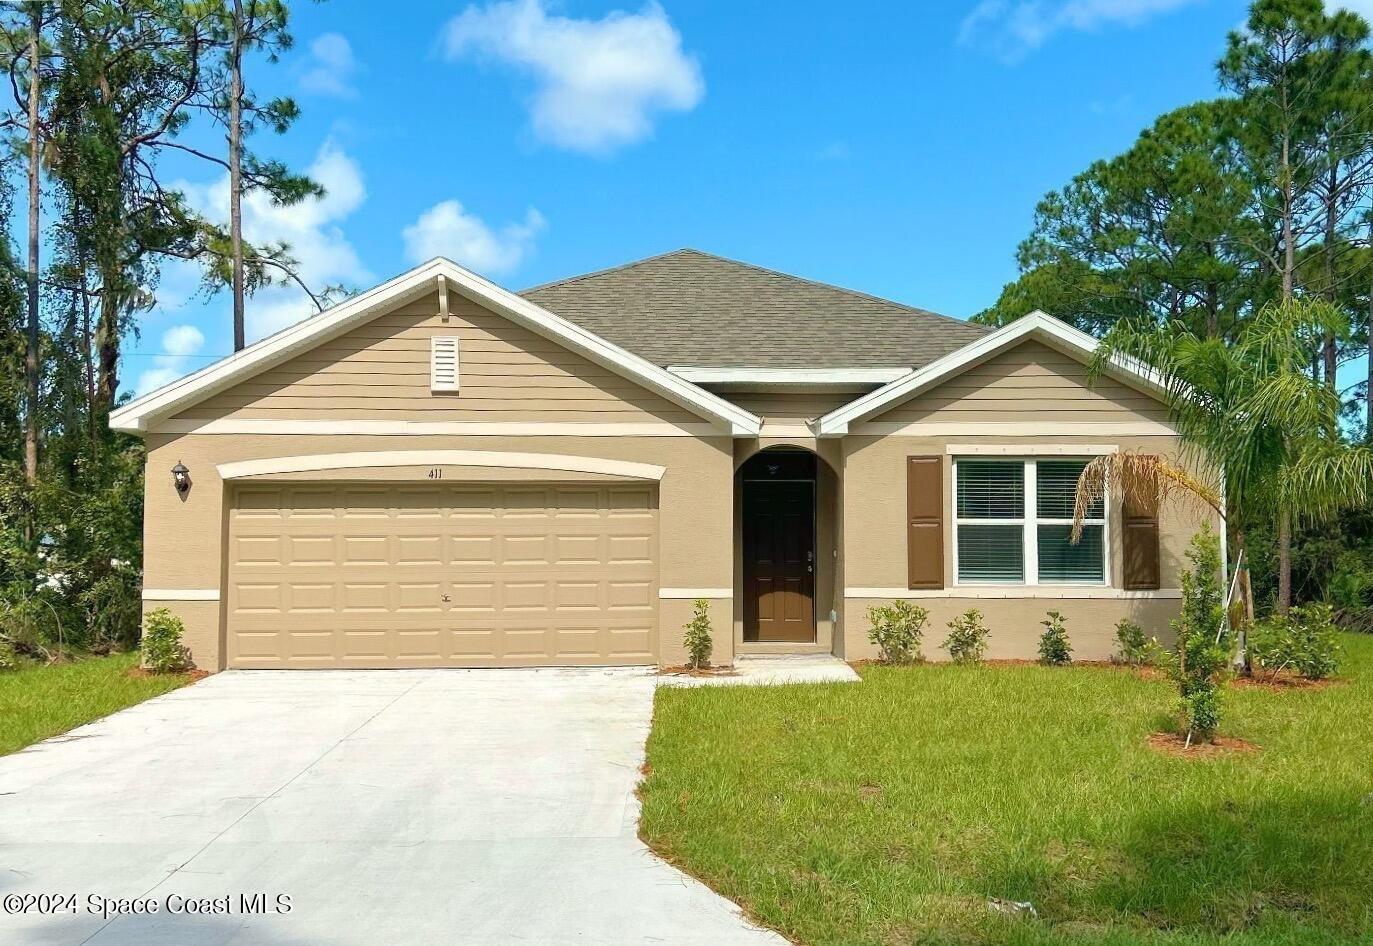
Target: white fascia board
1037,324
810,377
137,415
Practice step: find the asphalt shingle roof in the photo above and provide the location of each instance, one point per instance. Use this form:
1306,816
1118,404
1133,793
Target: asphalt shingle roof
689,308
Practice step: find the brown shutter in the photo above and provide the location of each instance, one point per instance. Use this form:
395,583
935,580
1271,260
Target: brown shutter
925,522
1139,539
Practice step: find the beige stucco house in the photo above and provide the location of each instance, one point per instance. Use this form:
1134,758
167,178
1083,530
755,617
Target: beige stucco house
441,472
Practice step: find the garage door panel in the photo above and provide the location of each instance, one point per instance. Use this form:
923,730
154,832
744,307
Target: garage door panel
462,575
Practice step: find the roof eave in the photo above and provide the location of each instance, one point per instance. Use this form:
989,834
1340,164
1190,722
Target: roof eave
1037,324
138,415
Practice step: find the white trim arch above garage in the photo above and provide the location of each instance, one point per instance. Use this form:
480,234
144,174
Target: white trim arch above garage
439,458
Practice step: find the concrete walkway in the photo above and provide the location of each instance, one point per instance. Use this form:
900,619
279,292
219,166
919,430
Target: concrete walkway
406,806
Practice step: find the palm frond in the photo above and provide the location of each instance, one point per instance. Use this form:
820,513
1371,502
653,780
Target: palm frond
1141,479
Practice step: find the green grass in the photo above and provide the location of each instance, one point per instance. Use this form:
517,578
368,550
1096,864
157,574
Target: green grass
890,811
39,701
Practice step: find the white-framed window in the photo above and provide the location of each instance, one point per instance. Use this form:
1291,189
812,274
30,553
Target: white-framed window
1013,521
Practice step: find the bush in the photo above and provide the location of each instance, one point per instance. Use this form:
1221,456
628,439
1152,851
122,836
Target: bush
9,660
698,638
1204,641
896,630
1054,648
967,640
1303,641
162,649
1132,647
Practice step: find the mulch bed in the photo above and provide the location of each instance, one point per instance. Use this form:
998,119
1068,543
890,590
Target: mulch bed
682,670
1282,682
1171,743
196,674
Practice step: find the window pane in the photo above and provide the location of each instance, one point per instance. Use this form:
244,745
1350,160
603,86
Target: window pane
991,553
988,489
1059,560
1056,489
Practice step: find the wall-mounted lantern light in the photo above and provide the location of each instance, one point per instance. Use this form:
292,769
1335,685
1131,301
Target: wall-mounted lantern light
181,478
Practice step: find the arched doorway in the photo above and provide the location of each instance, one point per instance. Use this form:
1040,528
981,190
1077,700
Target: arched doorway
778,493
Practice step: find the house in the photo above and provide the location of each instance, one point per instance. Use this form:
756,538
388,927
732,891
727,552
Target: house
441,472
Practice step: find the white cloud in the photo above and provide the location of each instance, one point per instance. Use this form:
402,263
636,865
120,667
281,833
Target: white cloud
598,83
1011,29
179,343
312,228
446,229
330,67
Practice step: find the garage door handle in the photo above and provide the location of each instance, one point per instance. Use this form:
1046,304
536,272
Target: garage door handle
446,599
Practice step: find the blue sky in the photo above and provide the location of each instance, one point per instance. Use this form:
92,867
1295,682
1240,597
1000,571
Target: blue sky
897,148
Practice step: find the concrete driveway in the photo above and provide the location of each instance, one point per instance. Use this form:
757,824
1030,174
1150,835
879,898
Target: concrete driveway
406,806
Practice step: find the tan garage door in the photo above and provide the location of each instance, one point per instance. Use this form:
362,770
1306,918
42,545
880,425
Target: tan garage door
362,575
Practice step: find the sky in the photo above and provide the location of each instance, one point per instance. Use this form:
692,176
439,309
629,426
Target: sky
897,148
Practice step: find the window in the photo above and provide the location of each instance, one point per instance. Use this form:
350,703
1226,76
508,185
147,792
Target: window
1013,521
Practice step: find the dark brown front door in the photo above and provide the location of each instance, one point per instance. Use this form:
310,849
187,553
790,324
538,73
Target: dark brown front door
779,560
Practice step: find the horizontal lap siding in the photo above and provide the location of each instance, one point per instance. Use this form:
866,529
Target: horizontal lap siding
1030,382
381,371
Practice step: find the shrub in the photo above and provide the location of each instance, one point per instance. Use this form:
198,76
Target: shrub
698,636
9,660
162,649
1054,648
896,630
1132,647
967,640
1204,643
1303,641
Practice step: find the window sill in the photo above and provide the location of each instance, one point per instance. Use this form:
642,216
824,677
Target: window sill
1014,591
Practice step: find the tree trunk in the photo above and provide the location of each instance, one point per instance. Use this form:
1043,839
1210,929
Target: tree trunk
31,358
1329,352
1284,561
236,172
1368,389
1289,251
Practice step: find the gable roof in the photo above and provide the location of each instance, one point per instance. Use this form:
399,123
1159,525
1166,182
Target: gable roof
1037,325
691,309
139,413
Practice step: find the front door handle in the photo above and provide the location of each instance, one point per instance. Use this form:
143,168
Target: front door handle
446,599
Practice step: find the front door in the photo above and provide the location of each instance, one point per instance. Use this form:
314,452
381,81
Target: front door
779,560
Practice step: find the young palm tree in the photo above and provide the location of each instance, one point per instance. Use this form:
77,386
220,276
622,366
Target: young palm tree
1251,410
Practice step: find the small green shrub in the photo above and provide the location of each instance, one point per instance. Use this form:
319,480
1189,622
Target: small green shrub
698,638
162,649
1204,642
896,629
967,640
1303,641
1054,648
9,660
1132,647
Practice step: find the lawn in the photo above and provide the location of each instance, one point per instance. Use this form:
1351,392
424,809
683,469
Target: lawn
891,811
41,701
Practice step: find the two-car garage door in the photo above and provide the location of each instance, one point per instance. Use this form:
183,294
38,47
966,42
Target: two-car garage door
402,575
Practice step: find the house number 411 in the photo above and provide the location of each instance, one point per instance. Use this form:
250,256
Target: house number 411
436,473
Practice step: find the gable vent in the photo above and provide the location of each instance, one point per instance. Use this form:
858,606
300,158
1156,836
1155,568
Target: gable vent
443,363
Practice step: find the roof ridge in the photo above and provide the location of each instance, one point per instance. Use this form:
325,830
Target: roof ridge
837,288
857,293
607,270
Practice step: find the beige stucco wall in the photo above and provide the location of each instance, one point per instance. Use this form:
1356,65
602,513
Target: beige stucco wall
185,538
1002,395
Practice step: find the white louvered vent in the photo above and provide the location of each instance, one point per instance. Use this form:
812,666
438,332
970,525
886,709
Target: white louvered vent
443,363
